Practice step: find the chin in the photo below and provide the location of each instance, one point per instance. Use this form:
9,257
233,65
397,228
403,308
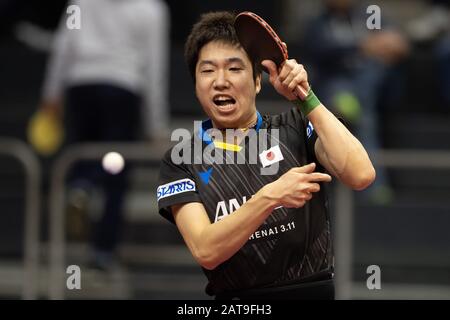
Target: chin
227,121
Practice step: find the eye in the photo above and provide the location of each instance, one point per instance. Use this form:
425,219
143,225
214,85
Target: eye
235,69
206,70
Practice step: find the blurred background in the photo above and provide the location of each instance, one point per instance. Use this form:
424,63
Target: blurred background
119,83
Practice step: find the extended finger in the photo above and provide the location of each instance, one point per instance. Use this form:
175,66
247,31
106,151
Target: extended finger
309,168
318,177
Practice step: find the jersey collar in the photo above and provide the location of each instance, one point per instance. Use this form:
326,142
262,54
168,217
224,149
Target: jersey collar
207,124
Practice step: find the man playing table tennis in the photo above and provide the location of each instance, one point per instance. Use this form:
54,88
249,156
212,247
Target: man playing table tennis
257,236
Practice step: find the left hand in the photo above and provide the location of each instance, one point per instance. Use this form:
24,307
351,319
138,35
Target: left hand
290,75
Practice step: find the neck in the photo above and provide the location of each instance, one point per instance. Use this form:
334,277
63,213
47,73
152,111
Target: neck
241,128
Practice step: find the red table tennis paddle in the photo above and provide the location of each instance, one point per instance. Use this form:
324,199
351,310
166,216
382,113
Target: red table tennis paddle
261,42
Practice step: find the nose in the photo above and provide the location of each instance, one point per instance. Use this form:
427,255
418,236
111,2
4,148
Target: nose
221,81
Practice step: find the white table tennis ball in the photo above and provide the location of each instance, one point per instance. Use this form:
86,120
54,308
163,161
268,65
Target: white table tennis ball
113,162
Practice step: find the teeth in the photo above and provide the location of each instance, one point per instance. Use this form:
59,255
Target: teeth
223,100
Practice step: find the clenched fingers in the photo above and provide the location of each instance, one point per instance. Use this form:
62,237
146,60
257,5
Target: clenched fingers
286,68
313,187
300,79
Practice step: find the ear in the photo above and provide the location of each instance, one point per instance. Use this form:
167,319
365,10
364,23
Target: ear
258,83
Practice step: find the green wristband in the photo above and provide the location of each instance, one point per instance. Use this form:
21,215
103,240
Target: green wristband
309,104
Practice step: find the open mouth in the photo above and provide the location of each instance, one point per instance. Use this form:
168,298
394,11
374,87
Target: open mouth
224,101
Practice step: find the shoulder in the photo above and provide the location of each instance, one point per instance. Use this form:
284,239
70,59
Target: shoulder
183,155
291,118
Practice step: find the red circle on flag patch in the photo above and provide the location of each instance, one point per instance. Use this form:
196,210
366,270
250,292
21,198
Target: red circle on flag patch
270,156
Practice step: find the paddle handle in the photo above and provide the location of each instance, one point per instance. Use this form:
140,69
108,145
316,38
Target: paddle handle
301,93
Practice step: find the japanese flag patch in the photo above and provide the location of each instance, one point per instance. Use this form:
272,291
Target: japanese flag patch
271,156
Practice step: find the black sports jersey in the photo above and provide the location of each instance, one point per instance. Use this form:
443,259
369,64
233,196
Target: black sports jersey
292,245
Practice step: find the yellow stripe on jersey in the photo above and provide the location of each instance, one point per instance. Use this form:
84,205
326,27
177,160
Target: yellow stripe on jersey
227,146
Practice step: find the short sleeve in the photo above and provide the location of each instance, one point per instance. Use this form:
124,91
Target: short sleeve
176,185
296,119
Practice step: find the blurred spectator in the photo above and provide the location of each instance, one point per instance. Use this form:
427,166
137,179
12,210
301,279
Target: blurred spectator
352,64
433,27
103,74
433,23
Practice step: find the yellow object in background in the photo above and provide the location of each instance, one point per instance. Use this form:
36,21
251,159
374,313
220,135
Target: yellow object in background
45,132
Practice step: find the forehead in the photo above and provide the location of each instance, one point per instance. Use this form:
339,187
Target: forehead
219,50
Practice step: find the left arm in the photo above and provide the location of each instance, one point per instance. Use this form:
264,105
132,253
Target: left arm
339,151
336,148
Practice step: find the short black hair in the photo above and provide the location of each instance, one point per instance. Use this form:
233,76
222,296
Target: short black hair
212,26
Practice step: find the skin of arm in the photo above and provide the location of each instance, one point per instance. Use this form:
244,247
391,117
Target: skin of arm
339,151
213,243
336,148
